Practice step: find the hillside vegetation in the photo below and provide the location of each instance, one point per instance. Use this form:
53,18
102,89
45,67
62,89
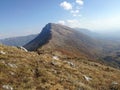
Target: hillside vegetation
51,70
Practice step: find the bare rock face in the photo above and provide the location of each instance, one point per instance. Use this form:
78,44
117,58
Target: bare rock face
62,38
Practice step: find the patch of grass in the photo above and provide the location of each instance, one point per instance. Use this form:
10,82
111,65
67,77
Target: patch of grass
35,72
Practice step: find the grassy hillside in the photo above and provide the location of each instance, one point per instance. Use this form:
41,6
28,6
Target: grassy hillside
51,70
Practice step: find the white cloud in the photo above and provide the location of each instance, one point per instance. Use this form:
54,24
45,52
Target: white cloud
71,23
73,8
80,2
61,22
66,5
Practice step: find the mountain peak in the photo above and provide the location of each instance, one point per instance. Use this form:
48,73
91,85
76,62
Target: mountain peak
51,24
62,38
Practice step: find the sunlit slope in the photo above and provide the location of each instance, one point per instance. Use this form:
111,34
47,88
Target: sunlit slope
20,70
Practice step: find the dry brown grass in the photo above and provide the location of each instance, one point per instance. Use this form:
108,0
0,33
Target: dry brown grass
31,71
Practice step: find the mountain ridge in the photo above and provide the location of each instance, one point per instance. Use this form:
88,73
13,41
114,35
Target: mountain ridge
54,36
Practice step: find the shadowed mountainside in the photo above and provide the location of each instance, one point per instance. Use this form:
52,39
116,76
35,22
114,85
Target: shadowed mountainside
40,40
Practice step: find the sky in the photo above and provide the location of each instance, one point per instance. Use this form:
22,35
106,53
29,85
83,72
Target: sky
24,17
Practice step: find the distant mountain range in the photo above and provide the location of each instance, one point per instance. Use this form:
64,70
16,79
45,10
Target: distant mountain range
18,41
22,40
